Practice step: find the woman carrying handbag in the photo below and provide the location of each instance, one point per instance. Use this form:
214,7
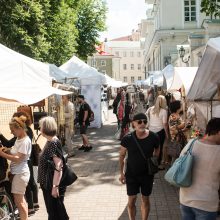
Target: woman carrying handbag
54,194
200,200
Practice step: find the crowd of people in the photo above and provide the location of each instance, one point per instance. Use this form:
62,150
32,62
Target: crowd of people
164,121
144,129
20,183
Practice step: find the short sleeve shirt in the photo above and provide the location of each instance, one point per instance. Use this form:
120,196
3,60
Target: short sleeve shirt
83,107
50,150
21,146
136,164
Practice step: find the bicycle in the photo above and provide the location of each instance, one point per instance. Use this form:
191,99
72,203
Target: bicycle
7,211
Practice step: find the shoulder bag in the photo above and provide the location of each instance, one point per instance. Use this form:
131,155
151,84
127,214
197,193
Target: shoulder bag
180,173
68,175
152,162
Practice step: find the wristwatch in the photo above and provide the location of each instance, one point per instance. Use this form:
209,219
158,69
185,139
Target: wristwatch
54,186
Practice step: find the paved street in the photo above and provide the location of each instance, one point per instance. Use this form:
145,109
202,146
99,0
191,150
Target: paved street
98,195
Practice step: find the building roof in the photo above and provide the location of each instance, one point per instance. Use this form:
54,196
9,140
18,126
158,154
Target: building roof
123,44
125,38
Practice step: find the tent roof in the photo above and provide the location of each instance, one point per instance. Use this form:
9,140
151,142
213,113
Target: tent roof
207,78
183,76
77,68
24,79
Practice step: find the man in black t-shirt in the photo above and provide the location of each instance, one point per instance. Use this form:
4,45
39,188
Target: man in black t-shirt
135,176
84,123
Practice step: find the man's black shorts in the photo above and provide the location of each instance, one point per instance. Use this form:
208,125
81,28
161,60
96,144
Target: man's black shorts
137,184
83,129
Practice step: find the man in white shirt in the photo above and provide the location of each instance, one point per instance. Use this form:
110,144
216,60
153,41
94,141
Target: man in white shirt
69,113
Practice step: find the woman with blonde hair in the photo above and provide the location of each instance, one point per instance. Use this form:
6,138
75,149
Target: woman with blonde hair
19,155
157,118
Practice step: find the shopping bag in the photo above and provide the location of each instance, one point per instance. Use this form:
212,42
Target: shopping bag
180,173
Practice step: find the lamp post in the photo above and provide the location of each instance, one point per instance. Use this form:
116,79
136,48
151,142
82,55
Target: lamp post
182,54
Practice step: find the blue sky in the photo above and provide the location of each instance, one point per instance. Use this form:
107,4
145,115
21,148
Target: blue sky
123,16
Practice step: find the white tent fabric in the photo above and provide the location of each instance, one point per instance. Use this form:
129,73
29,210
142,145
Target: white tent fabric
86,74
183,76
90,81
24,79
155,78
207,78
114,83
57,73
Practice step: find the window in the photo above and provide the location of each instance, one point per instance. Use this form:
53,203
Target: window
139,66
117,53
132,79
93,63
125,79
190,10
103,62
124,54
103,71
139,54
124,66
139,77
131,54
132,66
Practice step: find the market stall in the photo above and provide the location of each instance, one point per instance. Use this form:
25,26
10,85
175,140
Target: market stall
204,92
24,80
90,82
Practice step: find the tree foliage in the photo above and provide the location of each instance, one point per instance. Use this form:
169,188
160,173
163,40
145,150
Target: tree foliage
90,22
210,8
51,30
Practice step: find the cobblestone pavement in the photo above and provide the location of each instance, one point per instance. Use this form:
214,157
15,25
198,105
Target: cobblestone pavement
98,194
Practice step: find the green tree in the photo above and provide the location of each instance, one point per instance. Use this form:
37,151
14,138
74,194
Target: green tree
61,33
22,27
210,8
91,17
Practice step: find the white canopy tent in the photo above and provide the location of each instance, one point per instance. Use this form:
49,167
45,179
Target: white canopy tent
23,79
114,83
76,68
90,82
179,76
204,91
207,78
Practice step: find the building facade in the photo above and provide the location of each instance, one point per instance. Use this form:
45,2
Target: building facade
175,25
106,64
131,59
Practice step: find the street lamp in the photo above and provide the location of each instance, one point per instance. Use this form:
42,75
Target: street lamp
182,54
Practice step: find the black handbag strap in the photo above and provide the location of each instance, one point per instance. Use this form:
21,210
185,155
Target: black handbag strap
139,147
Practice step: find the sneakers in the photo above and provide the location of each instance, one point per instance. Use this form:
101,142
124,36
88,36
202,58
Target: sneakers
88,148
82,147
36,207
31,212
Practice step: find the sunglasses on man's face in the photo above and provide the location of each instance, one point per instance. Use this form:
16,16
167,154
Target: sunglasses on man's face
142,121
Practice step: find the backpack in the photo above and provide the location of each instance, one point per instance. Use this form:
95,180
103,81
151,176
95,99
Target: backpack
91,115
4,168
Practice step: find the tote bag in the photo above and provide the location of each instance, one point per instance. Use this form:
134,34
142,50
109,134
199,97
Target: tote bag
180,173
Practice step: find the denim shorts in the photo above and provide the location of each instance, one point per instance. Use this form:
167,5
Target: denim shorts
189,213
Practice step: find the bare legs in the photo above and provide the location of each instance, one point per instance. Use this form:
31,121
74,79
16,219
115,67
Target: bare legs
132,207
145,207
85,140
21,205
